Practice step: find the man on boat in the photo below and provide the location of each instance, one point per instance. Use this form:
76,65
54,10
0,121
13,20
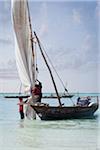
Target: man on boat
84,101
37,92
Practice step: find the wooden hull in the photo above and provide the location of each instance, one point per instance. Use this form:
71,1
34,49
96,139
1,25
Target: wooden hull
60,113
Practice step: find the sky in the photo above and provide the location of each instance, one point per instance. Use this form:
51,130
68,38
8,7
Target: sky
69,33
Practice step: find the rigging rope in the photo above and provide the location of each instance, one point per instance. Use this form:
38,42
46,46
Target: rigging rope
35,58
56,73
55,70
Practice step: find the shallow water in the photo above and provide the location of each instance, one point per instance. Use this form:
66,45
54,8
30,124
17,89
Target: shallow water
78,134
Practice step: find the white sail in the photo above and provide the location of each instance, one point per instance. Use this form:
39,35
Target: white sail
23,48
23,45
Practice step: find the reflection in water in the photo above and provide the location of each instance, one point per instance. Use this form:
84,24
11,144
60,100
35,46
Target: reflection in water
21,124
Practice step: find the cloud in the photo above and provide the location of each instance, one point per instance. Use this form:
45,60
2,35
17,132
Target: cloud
89,47
76,15
81,58
98,9
87,44
8,70
43,29
8,74
6,41
44,21
5,12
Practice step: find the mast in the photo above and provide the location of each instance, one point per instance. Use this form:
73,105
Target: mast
30,30
49,70
31,37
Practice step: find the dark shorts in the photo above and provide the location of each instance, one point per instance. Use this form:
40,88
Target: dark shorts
21,115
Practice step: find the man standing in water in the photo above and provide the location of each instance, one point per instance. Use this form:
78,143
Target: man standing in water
21,109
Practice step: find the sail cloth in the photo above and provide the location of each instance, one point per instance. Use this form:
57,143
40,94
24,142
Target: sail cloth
23,48
23,45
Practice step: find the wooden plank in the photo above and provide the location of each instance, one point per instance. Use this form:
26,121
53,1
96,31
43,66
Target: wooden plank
44,97
17,96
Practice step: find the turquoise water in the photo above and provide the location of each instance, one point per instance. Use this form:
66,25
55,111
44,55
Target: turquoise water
78,134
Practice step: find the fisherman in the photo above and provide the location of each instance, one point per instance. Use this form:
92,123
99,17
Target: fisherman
37,92
83,102
21,108
88,100
78,101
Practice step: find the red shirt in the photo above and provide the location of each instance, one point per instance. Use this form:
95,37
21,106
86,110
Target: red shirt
20,106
